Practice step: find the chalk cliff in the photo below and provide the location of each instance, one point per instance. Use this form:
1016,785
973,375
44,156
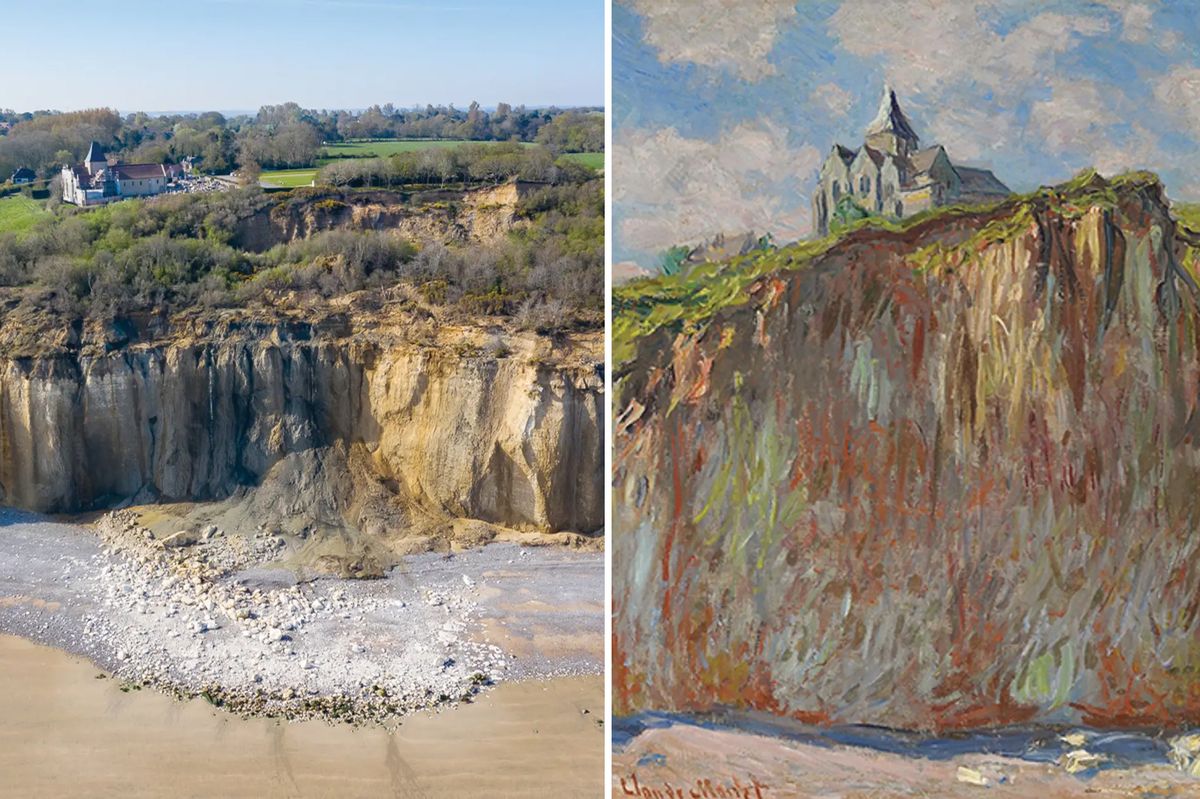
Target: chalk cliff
460,421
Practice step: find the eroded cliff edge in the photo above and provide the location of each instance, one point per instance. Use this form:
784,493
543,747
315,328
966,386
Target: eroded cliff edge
361,413
937,475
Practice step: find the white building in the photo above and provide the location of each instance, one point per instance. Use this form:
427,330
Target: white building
95,181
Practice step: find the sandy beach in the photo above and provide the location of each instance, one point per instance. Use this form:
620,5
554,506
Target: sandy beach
67,732
129,669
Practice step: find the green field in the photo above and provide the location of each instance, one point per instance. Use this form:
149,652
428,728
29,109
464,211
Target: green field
590,160
384,148
19,213
290,178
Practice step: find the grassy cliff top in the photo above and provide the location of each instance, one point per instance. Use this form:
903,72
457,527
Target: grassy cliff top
686,302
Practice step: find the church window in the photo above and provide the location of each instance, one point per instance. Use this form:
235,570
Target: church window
837,190
864,184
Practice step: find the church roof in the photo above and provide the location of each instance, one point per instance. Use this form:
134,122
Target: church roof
82,176
120,172
922,160
890,119
139,171
845,153
95,153
874,155
980,181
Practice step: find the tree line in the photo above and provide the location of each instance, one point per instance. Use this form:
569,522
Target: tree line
470,163
278,136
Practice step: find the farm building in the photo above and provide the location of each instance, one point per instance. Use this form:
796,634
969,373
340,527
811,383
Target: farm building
23,176
96,181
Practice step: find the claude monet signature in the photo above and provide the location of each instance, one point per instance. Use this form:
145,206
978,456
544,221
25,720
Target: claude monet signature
698,789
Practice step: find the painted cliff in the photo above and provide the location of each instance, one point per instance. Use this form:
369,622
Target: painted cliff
933,474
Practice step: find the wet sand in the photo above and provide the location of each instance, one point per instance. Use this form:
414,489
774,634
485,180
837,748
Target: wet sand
64,732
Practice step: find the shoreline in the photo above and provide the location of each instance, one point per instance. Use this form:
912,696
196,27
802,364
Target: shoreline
1032,742
659,754
216,619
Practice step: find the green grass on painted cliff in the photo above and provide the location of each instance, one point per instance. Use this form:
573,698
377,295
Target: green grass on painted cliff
685,302
1187,215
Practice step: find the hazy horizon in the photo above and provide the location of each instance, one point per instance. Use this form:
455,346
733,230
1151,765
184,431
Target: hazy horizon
232,112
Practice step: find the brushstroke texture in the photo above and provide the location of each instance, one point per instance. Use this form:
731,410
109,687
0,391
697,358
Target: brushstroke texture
933,475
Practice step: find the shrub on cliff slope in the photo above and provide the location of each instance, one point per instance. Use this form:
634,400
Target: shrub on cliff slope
177,251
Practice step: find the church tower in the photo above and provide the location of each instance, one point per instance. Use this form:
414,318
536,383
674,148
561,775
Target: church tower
96,159
890,131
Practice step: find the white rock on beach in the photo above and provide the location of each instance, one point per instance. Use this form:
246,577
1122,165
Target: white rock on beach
1078,760
183,538
1185,753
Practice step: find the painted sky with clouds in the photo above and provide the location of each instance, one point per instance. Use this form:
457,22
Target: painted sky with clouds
724,109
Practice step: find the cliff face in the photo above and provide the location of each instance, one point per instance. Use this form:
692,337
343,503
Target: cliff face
474,424
477,215
944,476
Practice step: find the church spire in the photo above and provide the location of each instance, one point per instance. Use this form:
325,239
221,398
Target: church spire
95,155
890,130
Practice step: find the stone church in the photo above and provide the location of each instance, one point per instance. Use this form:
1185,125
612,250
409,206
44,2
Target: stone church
96,181
892,176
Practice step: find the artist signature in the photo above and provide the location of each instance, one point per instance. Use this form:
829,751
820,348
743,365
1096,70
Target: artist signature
698,789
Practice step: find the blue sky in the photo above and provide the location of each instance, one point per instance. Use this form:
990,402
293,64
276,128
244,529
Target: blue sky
721,119
241,54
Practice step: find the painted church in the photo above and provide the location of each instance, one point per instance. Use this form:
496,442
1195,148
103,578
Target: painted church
95,181
891,175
